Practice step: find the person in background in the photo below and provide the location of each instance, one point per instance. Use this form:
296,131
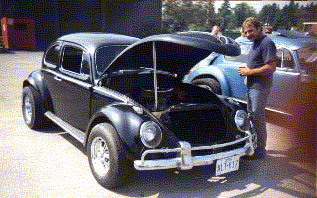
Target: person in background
241,37
216,30
259,79
268,30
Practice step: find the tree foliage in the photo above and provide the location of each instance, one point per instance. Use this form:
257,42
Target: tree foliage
225,13
242,11
183,15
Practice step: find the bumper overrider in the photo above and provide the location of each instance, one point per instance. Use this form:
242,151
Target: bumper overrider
186,161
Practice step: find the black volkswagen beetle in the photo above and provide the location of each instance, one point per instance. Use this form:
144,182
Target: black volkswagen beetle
124,99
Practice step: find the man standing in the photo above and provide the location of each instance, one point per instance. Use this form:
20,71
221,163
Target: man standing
259,78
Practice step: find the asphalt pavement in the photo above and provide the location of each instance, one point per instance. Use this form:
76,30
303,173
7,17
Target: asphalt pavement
51,163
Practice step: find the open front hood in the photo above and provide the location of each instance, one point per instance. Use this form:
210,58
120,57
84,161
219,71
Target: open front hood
175,53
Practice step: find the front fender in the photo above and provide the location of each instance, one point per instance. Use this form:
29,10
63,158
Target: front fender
35,79
126,121
214,72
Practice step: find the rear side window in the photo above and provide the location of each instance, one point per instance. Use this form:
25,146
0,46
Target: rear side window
75,60
284,59
243,57
52,55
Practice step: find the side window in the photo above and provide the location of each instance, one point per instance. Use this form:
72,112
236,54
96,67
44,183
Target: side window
75,60
284,59
52,55
85,64
243,57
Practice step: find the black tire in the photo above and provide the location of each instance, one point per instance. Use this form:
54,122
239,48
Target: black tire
105,135
32,108
208,83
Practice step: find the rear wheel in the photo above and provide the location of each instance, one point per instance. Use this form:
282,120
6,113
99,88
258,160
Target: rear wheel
31,108
208,83
106,157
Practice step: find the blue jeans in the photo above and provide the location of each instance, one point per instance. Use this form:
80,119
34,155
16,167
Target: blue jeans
256,102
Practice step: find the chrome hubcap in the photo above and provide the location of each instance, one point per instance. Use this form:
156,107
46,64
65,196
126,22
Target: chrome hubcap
27,109
100,157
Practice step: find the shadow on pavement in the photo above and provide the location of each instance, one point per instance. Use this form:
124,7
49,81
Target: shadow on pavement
278,173
74,142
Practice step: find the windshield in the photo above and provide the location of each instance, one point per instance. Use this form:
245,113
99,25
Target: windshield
308,59
105,55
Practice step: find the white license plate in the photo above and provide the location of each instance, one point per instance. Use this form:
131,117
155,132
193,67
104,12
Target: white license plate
227,165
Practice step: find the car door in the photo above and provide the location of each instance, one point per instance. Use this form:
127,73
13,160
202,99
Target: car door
72,87
286,81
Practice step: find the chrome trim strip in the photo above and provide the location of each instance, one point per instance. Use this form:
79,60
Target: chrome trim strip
280,70
79,135
111,93
155,78
63,77
267,108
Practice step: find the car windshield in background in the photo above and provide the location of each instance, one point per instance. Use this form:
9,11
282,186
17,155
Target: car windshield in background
307,55
105,55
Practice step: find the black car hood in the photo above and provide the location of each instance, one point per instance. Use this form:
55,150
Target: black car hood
175,53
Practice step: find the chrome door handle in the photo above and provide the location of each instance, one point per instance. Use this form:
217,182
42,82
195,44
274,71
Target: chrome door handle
58,79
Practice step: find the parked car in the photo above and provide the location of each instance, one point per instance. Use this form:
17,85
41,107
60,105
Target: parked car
293,82
310,28
123,98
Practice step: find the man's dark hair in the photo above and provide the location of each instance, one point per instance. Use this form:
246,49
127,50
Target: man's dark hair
251,21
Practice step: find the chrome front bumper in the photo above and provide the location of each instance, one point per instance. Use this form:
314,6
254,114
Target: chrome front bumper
186,161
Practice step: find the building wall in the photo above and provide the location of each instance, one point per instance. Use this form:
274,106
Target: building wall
137,18
54,18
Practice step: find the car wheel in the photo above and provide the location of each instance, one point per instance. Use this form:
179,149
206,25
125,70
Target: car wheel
31,108
208,83
106,157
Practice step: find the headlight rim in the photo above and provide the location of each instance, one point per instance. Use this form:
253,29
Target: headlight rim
246,121
158,136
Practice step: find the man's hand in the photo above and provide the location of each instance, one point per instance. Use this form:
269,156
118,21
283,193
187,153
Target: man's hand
268,68
243,71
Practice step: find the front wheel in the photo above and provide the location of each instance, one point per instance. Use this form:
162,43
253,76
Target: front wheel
106,157
208,83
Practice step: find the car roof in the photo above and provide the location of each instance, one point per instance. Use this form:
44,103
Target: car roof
292,41
95,39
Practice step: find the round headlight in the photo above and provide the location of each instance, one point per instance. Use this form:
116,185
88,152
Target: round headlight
242,121
151,134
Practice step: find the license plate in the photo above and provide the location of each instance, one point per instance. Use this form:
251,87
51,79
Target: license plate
227,165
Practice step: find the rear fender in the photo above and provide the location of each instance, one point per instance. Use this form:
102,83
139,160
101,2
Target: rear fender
35,80
215,73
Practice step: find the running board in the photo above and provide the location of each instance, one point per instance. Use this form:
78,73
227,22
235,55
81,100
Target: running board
79,135
267,108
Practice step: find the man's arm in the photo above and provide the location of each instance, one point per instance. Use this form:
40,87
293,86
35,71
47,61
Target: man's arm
268,68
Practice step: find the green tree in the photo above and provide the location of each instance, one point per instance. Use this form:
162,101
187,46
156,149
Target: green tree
225,13
241,12
310,12
268,14
183,15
